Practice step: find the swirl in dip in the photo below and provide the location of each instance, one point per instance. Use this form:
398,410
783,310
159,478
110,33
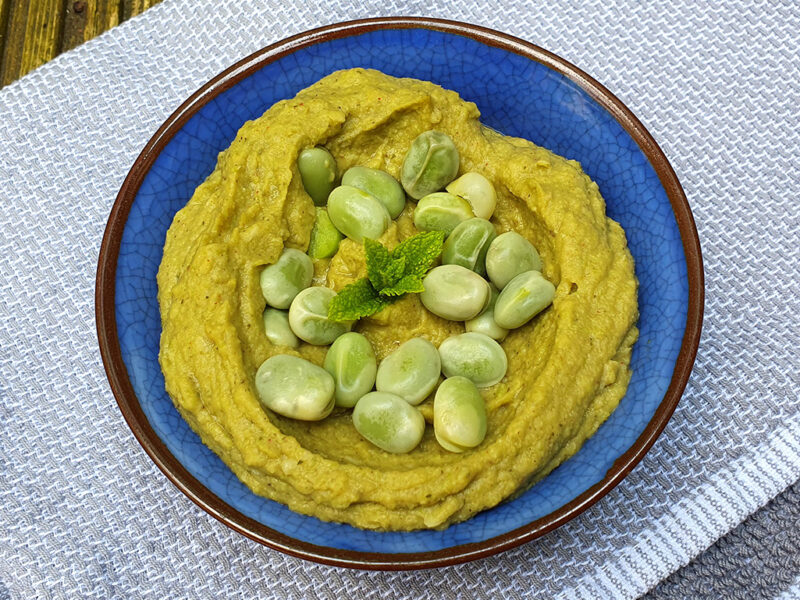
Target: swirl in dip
567,369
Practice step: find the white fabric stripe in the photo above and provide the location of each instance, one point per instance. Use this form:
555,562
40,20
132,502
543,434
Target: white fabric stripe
635,566
792,593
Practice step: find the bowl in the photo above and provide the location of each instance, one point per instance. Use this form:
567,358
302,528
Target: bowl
521,90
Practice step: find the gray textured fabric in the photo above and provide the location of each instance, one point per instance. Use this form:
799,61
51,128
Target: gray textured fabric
759,559
85,514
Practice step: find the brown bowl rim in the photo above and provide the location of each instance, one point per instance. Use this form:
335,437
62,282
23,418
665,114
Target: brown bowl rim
216,507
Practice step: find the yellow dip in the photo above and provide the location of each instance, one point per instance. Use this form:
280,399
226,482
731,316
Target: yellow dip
567,369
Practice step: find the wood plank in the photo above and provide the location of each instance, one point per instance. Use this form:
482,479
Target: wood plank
131,8
35,31
85,19
34,35
5,9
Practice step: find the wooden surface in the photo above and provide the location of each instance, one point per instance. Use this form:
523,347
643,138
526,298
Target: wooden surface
34,31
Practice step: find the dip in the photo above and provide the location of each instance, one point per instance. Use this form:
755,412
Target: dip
567,369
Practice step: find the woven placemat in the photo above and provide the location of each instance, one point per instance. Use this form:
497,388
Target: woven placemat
83,511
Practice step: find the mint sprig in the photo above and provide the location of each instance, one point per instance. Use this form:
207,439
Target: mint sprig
420,251
357,300
382,270
389,276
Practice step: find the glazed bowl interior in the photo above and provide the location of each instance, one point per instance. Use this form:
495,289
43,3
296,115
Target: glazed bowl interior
518,95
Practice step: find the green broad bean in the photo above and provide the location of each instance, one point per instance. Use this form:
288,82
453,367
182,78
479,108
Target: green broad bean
430,164
459,415
276,326
468,243
318,172
411,371
325,237
352,363
389,422
441,211
475,356
357,214
308,317
282,281
295,388
484,323
454,292
523,298
478,191
509,255
379,184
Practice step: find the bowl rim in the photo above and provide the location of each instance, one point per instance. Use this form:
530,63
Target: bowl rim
105,312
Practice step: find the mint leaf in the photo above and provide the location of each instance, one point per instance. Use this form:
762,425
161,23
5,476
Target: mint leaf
377,257
419,251
356,300
382,270
410,284
389,276
394,273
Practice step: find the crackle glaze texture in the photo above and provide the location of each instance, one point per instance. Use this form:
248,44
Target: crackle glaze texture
546,108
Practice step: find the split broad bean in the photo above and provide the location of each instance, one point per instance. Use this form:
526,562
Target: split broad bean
441,211
468,243
478,191
430,164
325,237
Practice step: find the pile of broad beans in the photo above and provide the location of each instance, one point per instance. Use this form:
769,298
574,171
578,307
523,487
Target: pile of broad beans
493,283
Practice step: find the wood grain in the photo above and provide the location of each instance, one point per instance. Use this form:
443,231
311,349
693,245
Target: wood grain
35,31
85,19
5,9
131,8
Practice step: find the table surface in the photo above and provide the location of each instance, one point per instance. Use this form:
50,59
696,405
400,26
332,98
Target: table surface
35,31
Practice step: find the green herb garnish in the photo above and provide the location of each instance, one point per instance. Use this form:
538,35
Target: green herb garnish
389,276
357,300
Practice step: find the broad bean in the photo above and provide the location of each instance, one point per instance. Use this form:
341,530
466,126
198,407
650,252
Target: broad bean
454,292
352,363
411,371
478,191
357,214
282,281
459,415
430,164
475,356
389,422
509,255
295,388
523,298
308,317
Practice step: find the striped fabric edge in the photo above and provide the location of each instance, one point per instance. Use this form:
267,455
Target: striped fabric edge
697,521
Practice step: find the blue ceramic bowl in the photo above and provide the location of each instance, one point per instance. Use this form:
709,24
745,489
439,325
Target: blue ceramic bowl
521,90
